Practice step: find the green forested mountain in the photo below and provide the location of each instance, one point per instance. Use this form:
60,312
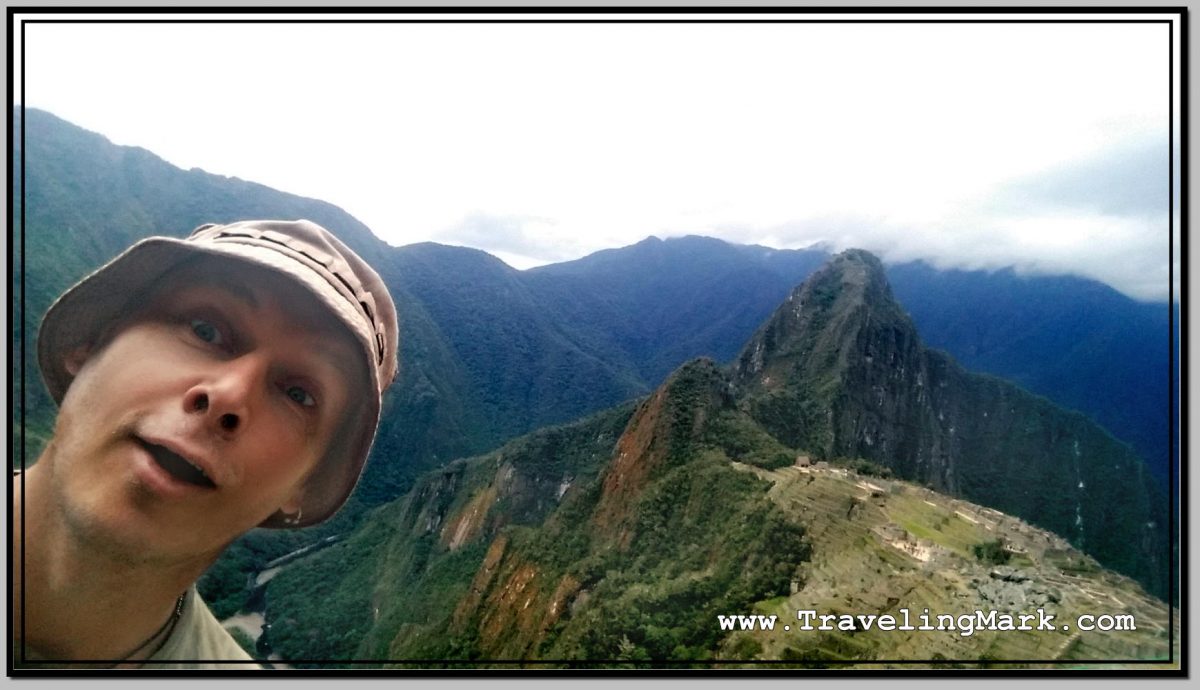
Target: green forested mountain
524,367
840,371
488,352
660,302
771,486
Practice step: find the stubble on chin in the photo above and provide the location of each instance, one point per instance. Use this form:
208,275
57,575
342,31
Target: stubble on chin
94,504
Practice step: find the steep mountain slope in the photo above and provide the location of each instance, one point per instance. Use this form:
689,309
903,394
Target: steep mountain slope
411,560
572,543
625,536
526,367
1078,342
839,370
481,360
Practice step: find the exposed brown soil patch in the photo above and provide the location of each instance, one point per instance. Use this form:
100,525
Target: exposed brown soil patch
638,452
469,604
468,523
511,614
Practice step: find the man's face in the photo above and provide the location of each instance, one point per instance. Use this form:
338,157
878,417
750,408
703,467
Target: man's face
202,414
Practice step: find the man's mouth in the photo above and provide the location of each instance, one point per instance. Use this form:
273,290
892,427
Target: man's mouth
177,466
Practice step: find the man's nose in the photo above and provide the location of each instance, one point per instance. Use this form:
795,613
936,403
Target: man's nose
228,395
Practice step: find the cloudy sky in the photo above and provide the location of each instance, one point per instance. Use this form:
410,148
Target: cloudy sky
974,145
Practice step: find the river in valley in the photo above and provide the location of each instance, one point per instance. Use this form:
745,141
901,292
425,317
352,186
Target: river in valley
252,619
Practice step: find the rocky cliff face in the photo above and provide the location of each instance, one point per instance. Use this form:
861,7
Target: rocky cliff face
840,371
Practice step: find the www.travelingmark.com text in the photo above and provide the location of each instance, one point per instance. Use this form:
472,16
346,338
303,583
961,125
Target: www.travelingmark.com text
966,624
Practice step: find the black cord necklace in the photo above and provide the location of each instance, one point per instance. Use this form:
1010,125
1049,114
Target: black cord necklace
169,623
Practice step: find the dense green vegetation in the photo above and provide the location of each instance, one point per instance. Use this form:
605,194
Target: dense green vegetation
331,595
742,440
226,584
244,641
863,467
706,543
792,416
992,552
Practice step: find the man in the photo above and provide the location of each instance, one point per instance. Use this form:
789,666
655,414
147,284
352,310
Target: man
206,386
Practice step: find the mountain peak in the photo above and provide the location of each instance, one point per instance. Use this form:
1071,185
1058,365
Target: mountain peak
819,329
856,274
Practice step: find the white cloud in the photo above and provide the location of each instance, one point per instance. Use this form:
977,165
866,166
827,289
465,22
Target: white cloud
545,142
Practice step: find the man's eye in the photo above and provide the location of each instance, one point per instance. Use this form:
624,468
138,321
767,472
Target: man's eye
299,395
207,332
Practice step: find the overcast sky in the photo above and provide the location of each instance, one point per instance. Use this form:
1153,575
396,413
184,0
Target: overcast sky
971,145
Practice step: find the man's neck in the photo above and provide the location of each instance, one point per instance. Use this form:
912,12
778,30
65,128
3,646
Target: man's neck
72,601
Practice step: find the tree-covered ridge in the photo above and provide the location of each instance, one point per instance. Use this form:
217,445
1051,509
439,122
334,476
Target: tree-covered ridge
515,554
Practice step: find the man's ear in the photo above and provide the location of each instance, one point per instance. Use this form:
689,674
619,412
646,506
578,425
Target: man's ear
294,502
76,357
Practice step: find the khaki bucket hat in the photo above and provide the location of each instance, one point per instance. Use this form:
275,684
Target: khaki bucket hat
302,250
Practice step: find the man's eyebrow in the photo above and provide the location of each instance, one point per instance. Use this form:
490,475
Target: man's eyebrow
352,375
238,291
